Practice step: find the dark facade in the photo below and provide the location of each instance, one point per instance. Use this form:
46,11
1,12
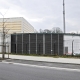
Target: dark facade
37,43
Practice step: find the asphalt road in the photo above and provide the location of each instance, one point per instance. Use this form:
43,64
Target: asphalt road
19,72
50,64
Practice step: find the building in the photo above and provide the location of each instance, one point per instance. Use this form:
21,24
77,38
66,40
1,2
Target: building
13,25
16,25
37,43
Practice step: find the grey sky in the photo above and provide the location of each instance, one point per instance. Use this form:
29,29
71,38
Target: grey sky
44,14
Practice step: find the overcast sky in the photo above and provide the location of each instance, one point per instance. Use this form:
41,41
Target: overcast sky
44,14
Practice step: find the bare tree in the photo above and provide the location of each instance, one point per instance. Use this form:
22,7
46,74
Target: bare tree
4,35
47,31
40,31
56,30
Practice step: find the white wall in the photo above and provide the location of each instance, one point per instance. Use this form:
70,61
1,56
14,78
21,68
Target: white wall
7,42
76,43
0,42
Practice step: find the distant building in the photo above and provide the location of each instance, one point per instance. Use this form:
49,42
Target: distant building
16,25
13,25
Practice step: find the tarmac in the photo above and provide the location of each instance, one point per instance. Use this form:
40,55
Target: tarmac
45,59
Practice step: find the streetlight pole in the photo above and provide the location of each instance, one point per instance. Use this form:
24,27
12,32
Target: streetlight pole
72,47
64,16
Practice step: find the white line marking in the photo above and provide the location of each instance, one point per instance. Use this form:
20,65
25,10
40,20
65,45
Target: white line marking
47,67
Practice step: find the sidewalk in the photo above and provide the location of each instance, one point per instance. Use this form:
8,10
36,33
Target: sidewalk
45,59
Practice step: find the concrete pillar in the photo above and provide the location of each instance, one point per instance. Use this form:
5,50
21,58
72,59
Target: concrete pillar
58,44
36,43
16,43
51,44
29,43
43,43
22,43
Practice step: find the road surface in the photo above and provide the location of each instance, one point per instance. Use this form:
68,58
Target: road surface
9,71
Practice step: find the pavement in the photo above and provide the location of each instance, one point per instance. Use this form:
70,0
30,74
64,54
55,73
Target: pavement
45,59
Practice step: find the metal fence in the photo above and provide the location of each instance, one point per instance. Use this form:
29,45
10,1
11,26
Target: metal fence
37,43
